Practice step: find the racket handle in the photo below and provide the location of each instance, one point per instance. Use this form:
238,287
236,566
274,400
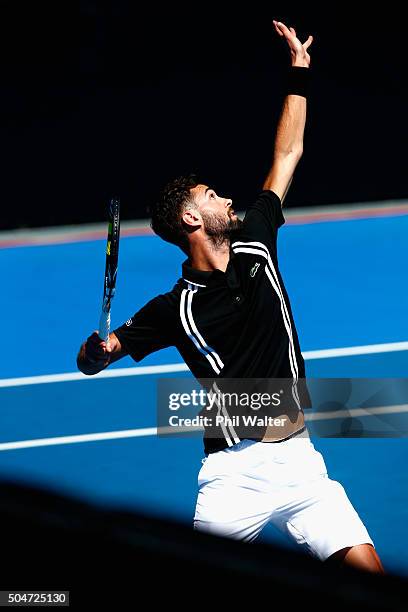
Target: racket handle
104,326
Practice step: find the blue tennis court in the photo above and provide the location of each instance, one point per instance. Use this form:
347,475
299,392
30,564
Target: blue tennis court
94,437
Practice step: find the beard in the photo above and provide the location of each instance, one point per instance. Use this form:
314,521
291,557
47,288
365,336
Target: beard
220,229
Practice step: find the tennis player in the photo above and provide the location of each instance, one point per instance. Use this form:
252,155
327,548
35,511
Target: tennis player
229,316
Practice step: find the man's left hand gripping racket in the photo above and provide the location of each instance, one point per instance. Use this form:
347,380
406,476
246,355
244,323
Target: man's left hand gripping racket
111,267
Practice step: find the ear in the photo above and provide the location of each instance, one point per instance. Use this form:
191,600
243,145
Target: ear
192,217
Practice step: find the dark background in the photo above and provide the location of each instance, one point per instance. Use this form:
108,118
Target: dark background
119,97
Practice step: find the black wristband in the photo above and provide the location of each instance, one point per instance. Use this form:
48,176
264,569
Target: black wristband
298,81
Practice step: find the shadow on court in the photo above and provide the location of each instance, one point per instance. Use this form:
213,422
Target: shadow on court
110,557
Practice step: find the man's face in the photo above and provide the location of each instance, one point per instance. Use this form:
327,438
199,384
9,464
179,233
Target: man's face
216,212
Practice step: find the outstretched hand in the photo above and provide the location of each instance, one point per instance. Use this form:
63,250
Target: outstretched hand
298,51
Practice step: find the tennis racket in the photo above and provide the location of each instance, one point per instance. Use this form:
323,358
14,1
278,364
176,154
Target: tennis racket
111,267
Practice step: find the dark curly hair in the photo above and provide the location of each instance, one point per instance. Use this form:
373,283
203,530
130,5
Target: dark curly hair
166,213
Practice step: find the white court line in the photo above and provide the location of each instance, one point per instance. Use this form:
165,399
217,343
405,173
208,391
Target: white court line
115,373
356,350
182,367
95,437
152,431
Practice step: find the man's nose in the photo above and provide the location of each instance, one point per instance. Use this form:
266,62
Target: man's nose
228,202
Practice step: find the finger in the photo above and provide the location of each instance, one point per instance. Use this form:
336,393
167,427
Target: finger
293,31
96,342
307,44
95,351
285,31
275,23
95,346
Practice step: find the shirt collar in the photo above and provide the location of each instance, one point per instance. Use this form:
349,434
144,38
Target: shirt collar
202,278
197,277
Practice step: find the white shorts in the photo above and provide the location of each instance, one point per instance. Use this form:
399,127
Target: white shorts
244,487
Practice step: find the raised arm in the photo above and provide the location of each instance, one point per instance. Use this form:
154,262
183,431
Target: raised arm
288,147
